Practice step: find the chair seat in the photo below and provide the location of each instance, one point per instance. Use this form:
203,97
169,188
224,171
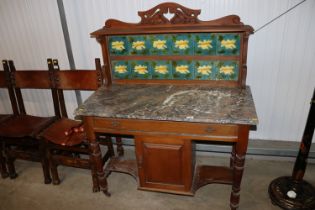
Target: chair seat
20,126
56,133
4,117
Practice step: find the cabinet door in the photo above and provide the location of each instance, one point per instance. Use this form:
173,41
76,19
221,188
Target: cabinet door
164,164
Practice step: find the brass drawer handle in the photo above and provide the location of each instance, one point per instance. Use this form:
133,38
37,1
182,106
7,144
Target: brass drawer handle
115,123
209,129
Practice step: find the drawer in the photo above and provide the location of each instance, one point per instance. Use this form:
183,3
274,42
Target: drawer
131,126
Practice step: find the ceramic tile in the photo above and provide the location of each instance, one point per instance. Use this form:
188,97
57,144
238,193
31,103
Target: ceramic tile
228,44
182,44
160,44
205,44
120,69
183,69
138,45
227,70
140,70
118,45
161,70
205,70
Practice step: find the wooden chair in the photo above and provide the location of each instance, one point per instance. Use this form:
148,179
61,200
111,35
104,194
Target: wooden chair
4,83
66,143
20,131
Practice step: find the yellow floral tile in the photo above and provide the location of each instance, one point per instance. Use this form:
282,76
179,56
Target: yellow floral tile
182,69
205,44
160,44
138,45
183,44
204,69
227,70
118,45
140,69
161,70
228,44
120,69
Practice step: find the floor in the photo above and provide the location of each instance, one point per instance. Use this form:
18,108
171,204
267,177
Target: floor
75,191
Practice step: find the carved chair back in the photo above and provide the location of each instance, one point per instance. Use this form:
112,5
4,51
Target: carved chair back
28,79
179,50
74,80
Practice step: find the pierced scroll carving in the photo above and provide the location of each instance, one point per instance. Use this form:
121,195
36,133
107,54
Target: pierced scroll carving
168,14
158,14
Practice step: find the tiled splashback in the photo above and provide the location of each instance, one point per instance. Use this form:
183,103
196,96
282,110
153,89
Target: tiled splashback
193,44
179,69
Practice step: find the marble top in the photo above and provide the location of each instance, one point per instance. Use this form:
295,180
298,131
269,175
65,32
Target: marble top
186,103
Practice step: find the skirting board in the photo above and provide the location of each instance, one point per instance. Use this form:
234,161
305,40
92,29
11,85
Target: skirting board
255,147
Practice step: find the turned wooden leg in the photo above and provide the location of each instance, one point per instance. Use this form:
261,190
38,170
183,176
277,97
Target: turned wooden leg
96,187
3,167
96,156
110,146
232,158
238,166
120,148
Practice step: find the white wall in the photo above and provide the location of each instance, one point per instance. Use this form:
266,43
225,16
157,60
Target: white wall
280,59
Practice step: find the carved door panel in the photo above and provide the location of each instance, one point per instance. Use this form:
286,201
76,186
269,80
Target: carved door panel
164,164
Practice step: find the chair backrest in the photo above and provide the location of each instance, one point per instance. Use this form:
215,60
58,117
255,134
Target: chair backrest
5,82
28,79
74,80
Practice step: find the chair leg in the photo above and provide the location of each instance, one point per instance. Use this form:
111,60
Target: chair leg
11,168
53,168
44,162
3,168
96,187
54,173
120,148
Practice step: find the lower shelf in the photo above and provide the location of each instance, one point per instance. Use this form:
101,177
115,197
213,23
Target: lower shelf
204,174
123,165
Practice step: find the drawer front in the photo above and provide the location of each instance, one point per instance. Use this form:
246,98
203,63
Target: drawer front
133,127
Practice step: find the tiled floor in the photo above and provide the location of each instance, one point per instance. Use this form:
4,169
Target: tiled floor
75,191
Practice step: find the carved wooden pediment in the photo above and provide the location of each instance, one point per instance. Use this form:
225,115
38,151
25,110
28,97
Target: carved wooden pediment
169,14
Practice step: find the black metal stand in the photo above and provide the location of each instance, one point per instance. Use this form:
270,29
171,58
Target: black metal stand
293,193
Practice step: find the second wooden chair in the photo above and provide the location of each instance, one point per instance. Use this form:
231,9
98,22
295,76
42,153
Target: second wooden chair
65,140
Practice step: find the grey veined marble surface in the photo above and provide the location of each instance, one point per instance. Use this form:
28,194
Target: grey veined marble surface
172,102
